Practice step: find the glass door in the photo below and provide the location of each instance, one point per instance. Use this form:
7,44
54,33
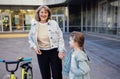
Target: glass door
1,24
17,22
5,22
60,20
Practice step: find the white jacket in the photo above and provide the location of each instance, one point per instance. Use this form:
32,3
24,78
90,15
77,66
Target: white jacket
54,33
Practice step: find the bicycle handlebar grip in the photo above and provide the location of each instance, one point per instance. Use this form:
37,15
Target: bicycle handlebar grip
27,59
2,60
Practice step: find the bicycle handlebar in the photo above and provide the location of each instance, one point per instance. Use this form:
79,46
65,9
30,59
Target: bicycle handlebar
1,60
14,62
27,59
19,60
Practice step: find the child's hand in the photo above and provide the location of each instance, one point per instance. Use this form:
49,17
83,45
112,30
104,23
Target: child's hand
61,55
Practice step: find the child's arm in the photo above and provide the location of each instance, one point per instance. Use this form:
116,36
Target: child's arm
82,67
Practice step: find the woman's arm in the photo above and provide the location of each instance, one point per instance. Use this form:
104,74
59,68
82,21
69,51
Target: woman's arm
61,41
61,46
31,39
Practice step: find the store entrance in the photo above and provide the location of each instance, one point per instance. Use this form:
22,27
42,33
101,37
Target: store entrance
4,22
60,20
16,20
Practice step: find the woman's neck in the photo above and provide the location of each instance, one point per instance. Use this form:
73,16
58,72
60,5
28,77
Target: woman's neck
43,21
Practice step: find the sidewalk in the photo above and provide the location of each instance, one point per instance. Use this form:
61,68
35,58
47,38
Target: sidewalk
13,35
104,54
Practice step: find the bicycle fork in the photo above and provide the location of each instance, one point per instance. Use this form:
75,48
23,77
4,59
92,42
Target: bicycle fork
12,76
25,67
23,73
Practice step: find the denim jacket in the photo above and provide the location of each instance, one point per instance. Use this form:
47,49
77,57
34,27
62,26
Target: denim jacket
54,33
81,68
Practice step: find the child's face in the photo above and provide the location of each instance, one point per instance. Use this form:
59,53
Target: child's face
71,42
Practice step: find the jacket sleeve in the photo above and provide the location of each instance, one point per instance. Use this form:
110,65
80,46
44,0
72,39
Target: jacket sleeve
67,63
61,46
31,36
82,67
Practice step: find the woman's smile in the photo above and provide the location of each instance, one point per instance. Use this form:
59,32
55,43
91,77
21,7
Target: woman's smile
43,16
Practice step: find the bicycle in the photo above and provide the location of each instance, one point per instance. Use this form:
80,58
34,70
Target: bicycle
25,67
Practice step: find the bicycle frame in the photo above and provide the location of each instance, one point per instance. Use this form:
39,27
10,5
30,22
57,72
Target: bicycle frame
25,67
23,72
12,76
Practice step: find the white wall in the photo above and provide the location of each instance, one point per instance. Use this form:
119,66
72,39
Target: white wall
30,2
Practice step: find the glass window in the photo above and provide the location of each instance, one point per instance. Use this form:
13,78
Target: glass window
102,18
0,23
6,22
21,19
118,27
28,18
74,18
112,17
107,17
88,21
17,20
84,21
94,18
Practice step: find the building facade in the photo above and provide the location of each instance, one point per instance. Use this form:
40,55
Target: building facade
19,18
96,16
17,15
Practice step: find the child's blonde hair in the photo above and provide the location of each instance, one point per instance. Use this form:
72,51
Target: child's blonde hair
79,38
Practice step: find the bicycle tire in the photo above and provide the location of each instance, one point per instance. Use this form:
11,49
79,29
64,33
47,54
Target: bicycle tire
29,74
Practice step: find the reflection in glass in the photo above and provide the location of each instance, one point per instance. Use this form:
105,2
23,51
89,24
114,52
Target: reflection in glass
112,18
6,22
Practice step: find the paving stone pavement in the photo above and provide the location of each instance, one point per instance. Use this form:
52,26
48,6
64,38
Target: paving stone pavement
104,54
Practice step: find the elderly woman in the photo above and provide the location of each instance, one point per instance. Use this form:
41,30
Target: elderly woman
46,39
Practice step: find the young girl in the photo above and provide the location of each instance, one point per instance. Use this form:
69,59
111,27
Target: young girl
76,64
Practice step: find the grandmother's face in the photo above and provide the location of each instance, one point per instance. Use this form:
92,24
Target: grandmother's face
43,14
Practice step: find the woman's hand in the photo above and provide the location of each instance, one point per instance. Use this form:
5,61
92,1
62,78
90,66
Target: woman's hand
38,51
61,55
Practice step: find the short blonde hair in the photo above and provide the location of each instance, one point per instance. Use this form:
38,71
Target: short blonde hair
37,18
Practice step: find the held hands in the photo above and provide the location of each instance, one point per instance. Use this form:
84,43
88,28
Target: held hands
38,51
61,55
